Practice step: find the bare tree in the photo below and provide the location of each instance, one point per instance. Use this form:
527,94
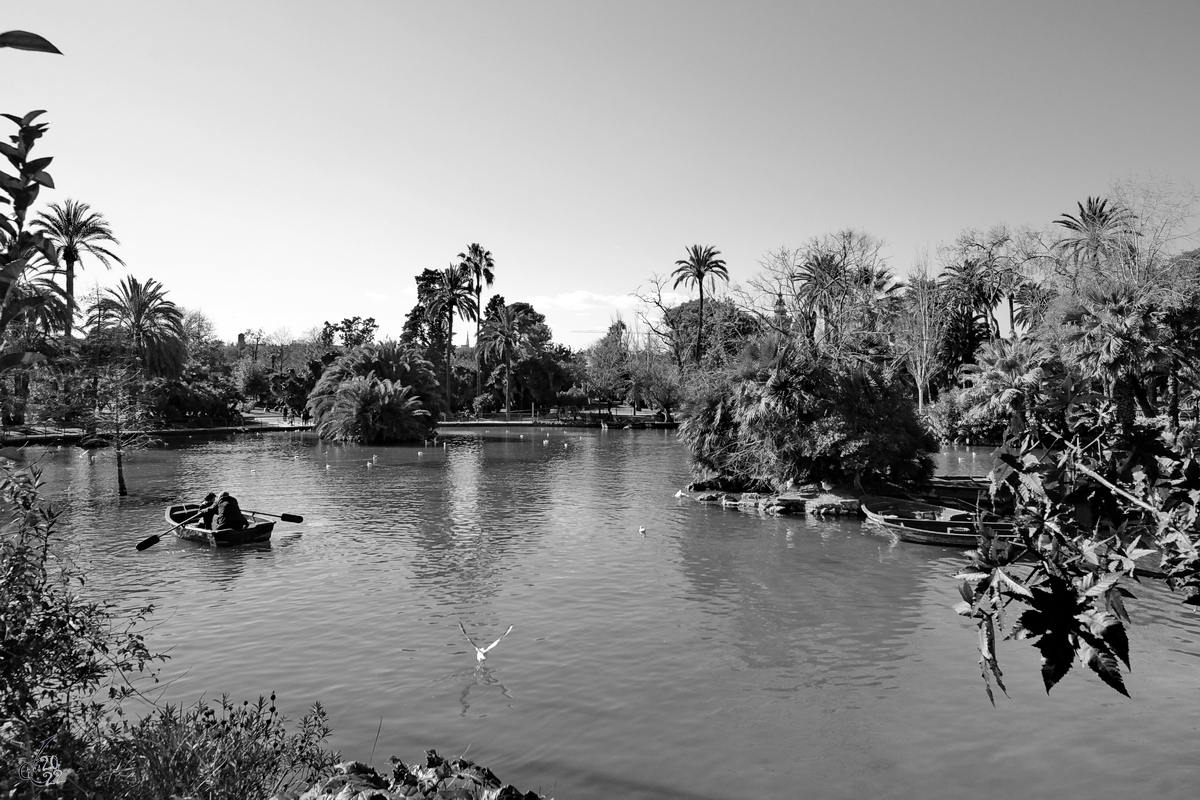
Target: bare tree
656,307
919,328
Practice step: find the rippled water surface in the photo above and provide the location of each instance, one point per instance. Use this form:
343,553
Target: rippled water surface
719,655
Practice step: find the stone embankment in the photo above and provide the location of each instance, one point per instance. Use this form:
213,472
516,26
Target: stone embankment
813,500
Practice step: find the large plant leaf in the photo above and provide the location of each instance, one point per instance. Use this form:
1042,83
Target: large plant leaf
24,40
1105,665
1057,656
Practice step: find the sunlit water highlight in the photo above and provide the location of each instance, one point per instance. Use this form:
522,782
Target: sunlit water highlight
719,655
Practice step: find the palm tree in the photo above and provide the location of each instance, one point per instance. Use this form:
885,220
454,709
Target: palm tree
504,337
392,361
453,294
1099,232
368,409
1005,378
1115,334
75,230
821,289
479,264
701,265
977,286
150,324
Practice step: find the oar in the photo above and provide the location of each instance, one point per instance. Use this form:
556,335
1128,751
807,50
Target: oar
284,517
149,542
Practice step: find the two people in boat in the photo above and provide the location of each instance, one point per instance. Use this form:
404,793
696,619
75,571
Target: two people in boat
222,512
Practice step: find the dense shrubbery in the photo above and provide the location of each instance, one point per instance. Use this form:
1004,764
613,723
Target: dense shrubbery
800,417
375,393
955,419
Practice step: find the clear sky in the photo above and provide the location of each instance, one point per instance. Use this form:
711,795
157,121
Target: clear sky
277,164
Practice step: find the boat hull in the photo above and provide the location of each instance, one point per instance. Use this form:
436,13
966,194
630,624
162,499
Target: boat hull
924,523
258,531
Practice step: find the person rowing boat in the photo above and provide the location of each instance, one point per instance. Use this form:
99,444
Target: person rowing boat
222,513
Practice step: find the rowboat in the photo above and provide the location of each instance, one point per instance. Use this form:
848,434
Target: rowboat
925,523
259,530
971,488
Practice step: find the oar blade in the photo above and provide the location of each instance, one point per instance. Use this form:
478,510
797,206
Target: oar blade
146,544
291,518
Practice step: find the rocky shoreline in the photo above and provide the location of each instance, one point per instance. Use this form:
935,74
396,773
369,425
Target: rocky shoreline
813,500
440,778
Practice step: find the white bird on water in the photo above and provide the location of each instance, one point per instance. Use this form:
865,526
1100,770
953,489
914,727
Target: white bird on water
481,652
642,531
681,493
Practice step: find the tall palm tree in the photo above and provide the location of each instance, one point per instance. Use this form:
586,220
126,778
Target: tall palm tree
453,294
76,230
479,264
504,336
150,324
1098,233
701,265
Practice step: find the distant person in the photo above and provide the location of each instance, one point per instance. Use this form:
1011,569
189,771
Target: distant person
208,510
229,515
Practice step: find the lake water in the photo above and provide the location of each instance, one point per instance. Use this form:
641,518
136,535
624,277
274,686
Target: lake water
719,655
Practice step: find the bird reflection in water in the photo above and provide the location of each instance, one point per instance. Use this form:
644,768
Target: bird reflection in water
481,675
471,679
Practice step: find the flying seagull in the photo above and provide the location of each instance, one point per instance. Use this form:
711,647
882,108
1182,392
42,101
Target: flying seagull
481,652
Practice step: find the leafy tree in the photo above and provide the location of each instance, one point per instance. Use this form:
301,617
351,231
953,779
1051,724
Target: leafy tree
658,382
77,231
351,331
421,330
727,329
479,264
453,294
702,265
608,366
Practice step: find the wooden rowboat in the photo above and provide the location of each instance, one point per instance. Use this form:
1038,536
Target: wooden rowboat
974,489
924,523
259,530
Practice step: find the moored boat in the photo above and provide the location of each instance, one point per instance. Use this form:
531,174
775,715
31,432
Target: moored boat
925,523
258,531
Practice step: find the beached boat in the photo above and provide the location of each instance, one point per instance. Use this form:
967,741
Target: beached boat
259,530
925,523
